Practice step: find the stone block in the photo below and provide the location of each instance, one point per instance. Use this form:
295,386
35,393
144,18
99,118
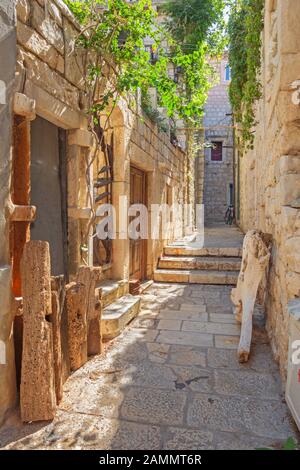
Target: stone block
23,10
247,383
81,137
262,418
33,42
183,315
187,355
289,188
74,63
173,325
288,21
37,393
226,342
293,284
153,406
185,338
182,438
213,328
47,27
89,278
38,72
77,324
52,109
289,164
292,246
23,106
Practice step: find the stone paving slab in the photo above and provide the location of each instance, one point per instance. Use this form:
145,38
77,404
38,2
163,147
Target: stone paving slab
210,327
184,337
157,388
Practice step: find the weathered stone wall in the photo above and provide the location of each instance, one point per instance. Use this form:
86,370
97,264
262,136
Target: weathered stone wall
49,83
49,73
151,151
270,174
218,175
7,72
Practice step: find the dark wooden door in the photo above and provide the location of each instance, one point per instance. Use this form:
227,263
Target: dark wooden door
138,254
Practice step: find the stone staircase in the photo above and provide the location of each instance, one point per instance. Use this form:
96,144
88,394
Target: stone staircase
185,264
117,305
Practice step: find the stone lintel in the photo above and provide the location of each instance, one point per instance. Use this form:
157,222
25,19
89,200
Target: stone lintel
81,137
24,106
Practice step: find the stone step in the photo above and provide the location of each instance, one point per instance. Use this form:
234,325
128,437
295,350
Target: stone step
196,276
200,262
109,291
117,315
231,252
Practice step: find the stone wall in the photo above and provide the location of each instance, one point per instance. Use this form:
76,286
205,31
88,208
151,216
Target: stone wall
49,73
269,175
49,84
218,175
7,72
164,164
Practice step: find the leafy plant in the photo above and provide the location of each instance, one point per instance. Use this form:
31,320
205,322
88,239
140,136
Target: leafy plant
114,34
194,22
153,114
289,444
244,29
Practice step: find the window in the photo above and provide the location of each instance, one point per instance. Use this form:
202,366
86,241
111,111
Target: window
227,73
217,152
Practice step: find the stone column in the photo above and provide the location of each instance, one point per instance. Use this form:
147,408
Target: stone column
121,187
79,210
7,73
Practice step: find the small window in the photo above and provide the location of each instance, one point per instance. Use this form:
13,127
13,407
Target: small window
217,151
227,73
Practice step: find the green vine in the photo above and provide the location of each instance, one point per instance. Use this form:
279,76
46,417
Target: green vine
245,27
114,35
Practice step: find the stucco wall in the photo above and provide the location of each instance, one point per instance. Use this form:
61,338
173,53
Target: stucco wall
270,174
7,71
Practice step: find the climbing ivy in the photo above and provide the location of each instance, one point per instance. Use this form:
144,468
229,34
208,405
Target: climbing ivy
244,28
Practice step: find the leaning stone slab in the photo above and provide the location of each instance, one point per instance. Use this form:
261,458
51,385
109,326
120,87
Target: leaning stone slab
77,324
89,277
37,393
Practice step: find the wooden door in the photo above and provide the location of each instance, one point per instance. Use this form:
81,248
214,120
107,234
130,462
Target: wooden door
138,253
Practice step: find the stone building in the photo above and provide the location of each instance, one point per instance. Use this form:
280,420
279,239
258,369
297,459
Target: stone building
51,185
268,177
217,178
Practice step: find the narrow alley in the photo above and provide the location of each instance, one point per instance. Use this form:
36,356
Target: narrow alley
149,228
171,380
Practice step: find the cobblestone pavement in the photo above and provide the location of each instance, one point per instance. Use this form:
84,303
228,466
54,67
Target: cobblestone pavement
170,381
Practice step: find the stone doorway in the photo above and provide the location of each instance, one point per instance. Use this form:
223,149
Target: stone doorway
138,248
49,190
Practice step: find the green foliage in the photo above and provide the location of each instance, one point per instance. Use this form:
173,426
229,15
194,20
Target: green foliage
114,34
153,114
197,21
289,444
244,28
